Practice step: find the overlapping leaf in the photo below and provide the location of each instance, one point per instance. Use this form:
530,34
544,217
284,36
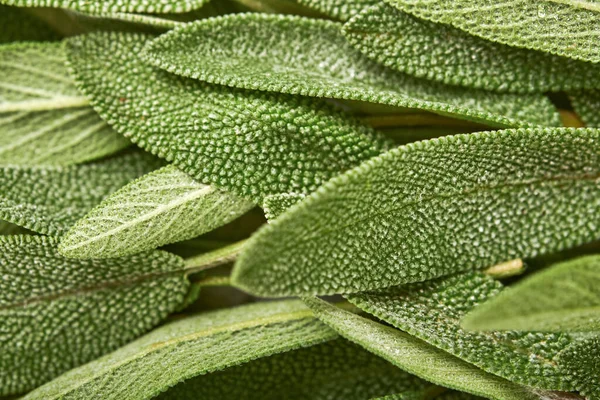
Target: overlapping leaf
58,313
430,209
587,106
311,57
445,54
582,360
17,25
276,204
342,10
139,6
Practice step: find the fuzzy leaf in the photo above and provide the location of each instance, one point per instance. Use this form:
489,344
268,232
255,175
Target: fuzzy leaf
416,356
587,106
163,207
188,348
277,204
18,26
432,312
252,144
341,10
430,209
562,29
50,199
448,55
107,6
582,360
57,313
593,5
43,117
311,57
565,297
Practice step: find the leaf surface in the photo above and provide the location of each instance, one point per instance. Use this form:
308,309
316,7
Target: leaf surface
341,10
587,106
106,6
311,57
430,209
17,25
582,360
277,204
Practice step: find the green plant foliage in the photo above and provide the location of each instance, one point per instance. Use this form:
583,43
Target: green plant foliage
311,57
582,360
565,297
587,106
552,27
163,207
17,25
593,5
276,204
57,313
341,10
445,54
50,199
107,6
430,209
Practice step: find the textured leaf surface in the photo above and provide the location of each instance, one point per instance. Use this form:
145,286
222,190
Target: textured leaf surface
17,25
252,144
190,347
416,356
338,9
140,6
311,57
43,117
50,199
277,204
432,312
57,313
446,54
430,209
565,297
543,25
587,106
163,207
582,360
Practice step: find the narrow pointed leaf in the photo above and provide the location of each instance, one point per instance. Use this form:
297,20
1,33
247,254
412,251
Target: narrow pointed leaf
587,106
18,26
582,360
311,57
58,313
430,209
445,54
135,6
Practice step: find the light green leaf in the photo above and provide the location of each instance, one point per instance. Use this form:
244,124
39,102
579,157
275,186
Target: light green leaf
311,57
276,204
587,106
562,298
188,348
432,312
43,117
106,6
18,25
252,144
50,199
416,356
448,55
582,360
430,209
593,5
342,10
562,29
163,207
57,313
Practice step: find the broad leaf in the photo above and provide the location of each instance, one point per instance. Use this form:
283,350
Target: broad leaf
50,199
432,312
17,25
430,209
57,313
43,117
311,57
163,207
449,55
582,359
552,27
106,6
564,297
252,144
276,204
587,106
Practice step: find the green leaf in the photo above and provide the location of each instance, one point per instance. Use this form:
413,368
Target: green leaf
564,297
430,209
57,313
43,117
587,106
562,29
582,360
432,311
163,207
311,57
188,348
593,5
17,25
277,204
445,54
106,6
251,144
341,10
50,199
416,356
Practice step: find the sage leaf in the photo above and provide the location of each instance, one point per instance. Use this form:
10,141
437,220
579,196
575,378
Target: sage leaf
276,204
159,208
430,209
432,311
58,313
557,28
582,360
562,298
587,106
396,39
191,347
18,26
105,6
341,10
251,144
50,199
311,57
592,5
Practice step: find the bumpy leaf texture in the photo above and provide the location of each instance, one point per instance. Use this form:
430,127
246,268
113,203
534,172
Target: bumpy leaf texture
593,5
430,209
43,117
311,57
277,204
445,54
50,199
341,10
582,359
191,347
252,144
140,6
58,313
18,25
587,106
